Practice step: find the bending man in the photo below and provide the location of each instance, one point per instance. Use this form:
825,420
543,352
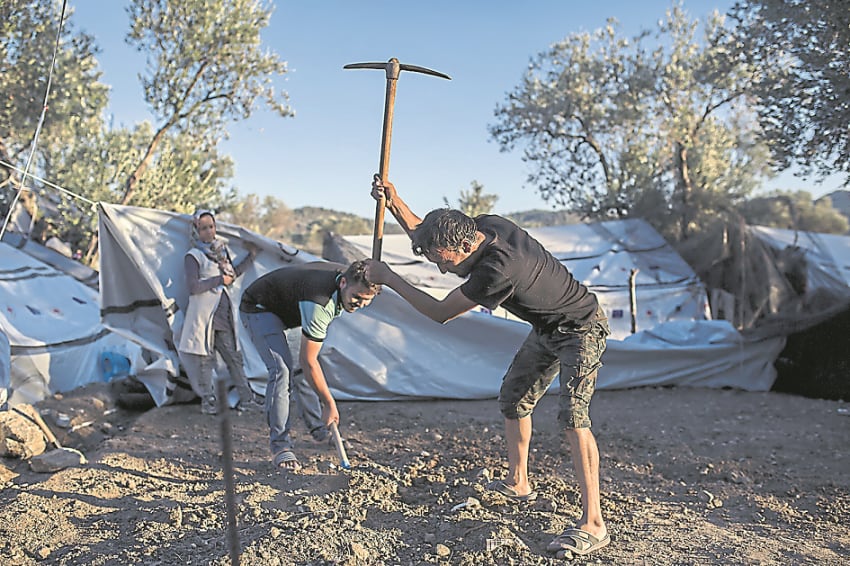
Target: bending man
504,266
309,296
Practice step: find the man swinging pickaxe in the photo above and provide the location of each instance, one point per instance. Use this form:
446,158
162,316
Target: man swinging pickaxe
393,68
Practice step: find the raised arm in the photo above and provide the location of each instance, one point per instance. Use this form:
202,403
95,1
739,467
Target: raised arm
397,207
248,260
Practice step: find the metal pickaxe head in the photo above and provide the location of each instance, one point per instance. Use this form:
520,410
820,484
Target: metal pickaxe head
393,69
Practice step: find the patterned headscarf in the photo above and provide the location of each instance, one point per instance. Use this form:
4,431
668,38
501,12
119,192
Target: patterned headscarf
215,250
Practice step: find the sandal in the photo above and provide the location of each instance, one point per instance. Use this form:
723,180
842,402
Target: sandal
286,460
502,488
576,541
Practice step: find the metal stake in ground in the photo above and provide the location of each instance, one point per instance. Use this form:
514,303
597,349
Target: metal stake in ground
393,68
227,470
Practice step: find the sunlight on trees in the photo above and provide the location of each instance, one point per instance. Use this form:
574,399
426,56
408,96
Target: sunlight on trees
678,125
618,127
801,52
77,97
795,211
207,67
474,202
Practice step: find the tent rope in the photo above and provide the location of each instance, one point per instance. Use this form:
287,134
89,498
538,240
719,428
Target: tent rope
47,183
38,127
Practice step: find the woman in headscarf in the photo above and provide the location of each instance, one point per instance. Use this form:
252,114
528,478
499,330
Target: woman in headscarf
209,324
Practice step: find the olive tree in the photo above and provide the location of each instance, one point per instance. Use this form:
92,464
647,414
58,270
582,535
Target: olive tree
184,174
658,125
794,210
801,49
474,201
206,67
29,31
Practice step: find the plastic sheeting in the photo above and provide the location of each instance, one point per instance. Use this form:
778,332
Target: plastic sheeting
466,358
5,369
827,255
143,292
770,281
692,353
389,351
52,323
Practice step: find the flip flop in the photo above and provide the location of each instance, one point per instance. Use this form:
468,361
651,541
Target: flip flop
286,460
577,541
501,487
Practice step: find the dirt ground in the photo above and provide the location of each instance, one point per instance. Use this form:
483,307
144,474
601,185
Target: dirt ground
689,476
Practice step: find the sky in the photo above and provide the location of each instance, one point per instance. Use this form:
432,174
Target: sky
326,155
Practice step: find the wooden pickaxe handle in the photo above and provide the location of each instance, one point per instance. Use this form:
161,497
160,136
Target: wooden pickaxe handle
36,419
393,68
340,448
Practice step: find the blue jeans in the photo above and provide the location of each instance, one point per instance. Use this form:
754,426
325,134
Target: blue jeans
268,335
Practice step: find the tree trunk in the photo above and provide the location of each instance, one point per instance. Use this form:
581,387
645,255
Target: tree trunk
684,187
133,179
91,257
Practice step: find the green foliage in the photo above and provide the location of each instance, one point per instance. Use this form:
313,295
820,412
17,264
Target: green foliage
206,67
801,52
269,216
474,202
183,177
795,211
613,128
840,201
76,99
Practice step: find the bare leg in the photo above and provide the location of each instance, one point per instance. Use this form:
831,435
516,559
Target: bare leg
518,439
586,463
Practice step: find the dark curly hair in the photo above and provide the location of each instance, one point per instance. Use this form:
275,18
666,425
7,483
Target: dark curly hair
443,228
356,274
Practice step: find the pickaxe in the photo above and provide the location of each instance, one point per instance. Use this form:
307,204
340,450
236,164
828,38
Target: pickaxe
393,69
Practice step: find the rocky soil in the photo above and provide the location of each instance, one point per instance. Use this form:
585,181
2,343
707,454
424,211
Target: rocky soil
689,476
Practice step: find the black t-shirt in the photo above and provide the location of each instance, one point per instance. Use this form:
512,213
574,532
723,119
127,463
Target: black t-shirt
516,272
282,291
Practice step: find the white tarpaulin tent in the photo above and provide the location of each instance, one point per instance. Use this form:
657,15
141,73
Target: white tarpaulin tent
601,255
52,324
787,283
5,369
772,280
827,255
388,350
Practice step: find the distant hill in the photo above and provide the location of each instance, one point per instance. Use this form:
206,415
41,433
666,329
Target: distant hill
311,222
840,201
343,223
538,218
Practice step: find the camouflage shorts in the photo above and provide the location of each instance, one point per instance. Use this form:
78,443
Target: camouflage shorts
575,353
